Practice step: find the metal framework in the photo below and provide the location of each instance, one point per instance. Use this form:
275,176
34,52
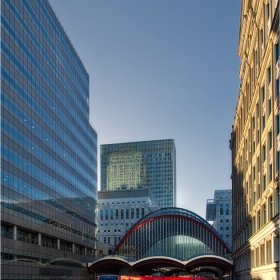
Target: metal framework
173,232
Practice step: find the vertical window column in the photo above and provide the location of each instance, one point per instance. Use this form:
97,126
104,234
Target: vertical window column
39,239
15,232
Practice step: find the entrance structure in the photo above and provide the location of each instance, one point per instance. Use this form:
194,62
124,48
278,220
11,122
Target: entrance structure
173,232
170,240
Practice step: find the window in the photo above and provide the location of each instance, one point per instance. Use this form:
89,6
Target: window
227,209
263,94
269,107
264,182
259,220
117,213
264,214
268,252
261,41
132,213
263,121
267,11
277,200
270,173
221,209
262,254
264,152
257,257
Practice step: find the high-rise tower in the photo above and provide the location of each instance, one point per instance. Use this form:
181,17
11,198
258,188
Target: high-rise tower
218,212
48,148
146,163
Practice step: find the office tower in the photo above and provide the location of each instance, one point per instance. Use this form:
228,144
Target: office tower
255,144
119,210
149,164
48,148
218,213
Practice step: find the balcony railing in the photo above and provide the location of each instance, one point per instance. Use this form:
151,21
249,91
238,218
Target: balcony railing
44,243
7,234
67,249
48,244
27,239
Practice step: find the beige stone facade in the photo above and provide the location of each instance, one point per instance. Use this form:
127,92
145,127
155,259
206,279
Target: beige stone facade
255,144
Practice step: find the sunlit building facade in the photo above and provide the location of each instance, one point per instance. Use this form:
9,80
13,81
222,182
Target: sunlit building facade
149,164
255,144
48,149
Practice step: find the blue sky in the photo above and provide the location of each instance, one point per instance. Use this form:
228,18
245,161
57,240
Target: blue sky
162,69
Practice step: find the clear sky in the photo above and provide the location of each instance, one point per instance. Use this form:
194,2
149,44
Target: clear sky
163,69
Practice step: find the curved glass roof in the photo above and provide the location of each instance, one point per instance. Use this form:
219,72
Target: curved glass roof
174,211
172,232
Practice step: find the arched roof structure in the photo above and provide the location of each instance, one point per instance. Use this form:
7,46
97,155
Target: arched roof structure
173,232
167,265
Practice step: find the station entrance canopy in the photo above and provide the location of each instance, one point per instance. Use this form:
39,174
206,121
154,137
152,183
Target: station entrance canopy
163,265
173,232
170,239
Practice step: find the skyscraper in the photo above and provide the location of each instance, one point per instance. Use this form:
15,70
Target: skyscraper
218,211
255,144
48,148
146,163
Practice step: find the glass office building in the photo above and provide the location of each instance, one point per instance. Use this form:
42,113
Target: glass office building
48,148
147,163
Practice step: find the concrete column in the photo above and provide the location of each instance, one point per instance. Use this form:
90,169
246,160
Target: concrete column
85,250
40,239
73,248
15,232
58,243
